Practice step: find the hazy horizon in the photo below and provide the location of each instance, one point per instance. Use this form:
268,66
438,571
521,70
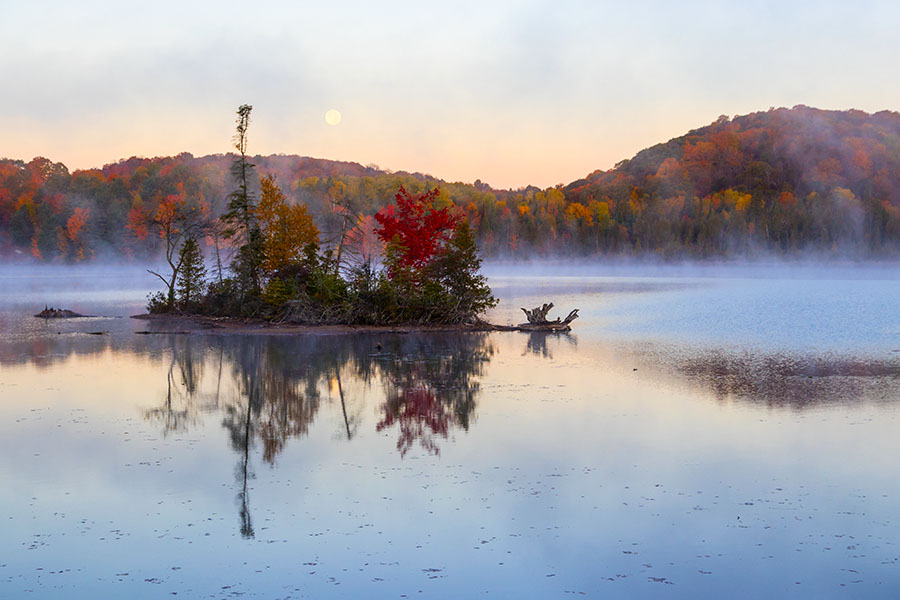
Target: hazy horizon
513,94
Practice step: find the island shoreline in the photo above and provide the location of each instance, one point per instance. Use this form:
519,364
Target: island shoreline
186,324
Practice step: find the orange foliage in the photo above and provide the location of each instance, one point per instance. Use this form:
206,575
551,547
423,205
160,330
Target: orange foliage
76,222
787,199
580,214
668,168
26,199
137,223
286,229
167,213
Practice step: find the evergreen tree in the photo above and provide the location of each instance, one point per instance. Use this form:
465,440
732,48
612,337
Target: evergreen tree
192,277
240,220
465,290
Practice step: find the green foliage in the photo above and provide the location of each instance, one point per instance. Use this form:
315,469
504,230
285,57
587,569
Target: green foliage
191,276
310,290
449,290
247,265
277,293
372,297
158,303
226,299
463,290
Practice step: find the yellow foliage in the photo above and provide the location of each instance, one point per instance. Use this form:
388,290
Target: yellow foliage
286,229
600,211
580,213
554,198
730,199
443,199
337,190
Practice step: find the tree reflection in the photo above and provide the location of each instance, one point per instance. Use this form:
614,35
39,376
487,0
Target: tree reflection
179,409
269,390
791,380
433,387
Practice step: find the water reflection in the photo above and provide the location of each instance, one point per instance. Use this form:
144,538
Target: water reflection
537,342
793,381
51,347
280,380
268,390
431,392
180,408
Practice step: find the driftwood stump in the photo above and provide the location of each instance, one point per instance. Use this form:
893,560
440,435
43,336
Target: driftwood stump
537,319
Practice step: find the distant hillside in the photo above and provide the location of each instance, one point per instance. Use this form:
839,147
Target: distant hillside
53,215
784,181
780,181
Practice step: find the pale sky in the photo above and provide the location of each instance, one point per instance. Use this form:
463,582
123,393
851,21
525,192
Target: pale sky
512,93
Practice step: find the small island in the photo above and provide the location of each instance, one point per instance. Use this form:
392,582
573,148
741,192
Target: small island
414,264
58,313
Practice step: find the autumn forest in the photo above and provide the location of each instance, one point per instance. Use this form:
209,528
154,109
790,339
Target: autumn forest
780,182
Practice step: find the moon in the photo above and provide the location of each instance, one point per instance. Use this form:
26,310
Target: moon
333,117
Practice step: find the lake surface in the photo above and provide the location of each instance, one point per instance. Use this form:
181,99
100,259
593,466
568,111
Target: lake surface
700,433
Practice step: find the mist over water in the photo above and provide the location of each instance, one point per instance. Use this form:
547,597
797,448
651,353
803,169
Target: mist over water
705,430
764,306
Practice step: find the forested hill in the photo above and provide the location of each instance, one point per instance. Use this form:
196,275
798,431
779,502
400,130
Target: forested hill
50,214
780,181
784,181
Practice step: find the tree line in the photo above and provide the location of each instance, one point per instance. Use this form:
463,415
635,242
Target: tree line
783,181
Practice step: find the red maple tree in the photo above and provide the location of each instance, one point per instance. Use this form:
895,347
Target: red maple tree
416,229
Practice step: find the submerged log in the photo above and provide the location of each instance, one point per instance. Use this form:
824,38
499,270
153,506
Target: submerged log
58,313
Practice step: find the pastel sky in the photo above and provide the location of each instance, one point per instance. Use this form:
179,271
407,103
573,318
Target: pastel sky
509,92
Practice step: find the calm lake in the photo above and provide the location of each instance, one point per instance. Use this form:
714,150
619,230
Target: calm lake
708,432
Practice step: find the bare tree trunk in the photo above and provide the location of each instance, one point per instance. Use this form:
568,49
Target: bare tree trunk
246,518
340,249
218,258
343,405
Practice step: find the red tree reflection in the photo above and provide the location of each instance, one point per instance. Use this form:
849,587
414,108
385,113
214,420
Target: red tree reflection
419,416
